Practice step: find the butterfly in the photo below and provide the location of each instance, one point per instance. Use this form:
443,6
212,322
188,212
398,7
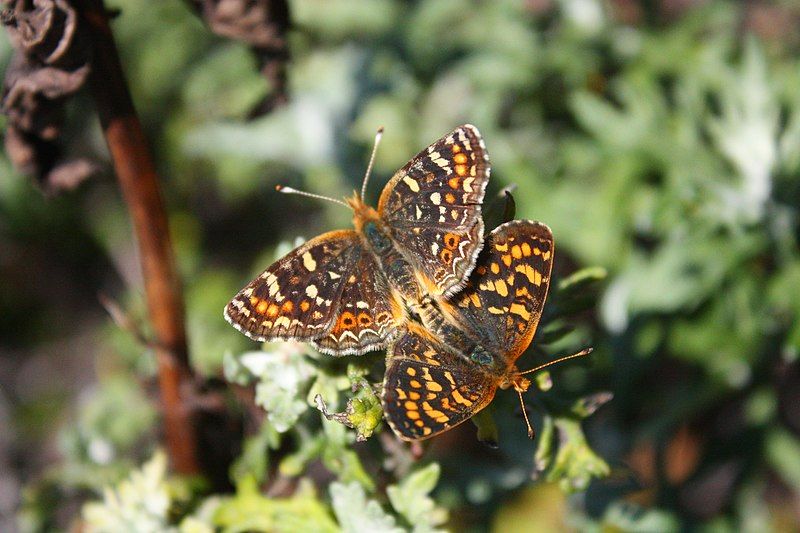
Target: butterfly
441,375
352,291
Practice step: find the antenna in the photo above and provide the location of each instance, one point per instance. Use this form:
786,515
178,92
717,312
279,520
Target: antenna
587,351
531,432
289,190
371,162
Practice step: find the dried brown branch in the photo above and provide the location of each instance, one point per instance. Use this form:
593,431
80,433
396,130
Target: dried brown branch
139,183
124,321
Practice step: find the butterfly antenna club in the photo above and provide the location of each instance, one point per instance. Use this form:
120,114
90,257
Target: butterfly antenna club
290,190
378,136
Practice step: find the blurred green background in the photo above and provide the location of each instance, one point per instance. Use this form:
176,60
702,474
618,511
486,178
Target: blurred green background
660,140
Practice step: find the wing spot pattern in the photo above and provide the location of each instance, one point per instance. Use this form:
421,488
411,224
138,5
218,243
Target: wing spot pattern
501,288
519,309
412,183
433,386
309,262
459,398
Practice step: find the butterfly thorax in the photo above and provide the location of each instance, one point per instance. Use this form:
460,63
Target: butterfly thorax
401,276
394,266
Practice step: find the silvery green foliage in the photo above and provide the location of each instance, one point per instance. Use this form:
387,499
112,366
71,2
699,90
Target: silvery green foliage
139,503
356,513
282,374
250,510
411,499
574,464
631,518
746,133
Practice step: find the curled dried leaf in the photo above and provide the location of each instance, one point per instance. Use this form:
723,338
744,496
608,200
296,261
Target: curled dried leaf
47,67
46,30
33,95
263,24
260,23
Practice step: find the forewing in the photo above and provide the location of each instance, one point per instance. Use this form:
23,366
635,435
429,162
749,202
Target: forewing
297,296
315,289
503,300
432,207
428,388
367,313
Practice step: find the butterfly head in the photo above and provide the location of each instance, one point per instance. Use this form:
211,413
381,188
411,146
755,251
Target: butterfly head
363,214
514,380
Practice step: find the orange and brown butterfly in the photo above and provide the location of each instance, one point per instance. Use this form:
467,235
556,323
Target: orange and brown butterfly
441,375
350,291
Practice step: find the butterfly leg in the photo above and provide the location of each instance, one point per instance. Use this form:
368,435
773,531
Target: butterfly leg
531,432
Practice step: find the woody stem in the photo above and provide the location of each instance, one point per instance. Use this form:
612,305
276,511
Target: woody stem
138,181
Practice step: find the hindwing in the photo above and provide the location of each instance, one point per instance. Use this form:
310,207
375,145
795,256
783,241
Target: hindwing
429,388
368,313
504,298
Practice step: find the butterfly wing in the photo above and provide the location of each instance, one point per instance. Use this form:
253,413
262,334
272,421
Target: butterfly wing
428,388
432,207
305,295
368,312
503,300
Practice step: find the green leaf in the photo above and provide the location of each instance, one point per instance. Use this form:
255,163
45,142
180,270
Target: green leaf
282,373
575,462
746,133
582,279
587,406
355,513
411,498
139,503
249,510
544,449
487,428
578,292
255,453
621,516
339,457
311,447
783,453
